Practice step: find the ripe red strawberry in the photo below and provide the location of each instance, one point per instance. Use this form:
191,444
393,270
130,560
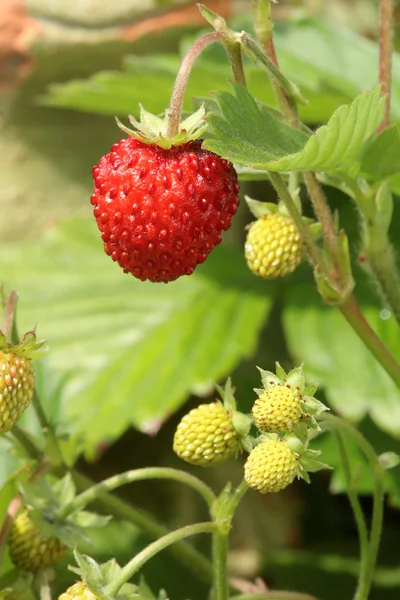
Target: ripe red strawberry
162,204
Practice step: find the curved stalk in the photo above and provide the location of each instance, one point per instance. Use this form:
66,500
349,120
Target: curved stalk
358,514
120,509
365,583
385,55
140,559
176,102
131,476
224,513
8,324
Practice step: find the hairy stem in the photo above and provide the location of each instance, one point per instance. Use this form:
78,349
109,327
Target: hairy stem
176,102
152,549
110,504
367,573
358,514
385,56
116,481
283,193
8,325
219,558
351,311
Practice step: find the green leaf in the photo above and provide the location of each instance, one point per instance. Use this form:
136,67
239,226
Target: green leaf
132,351
335,147
247,132
382,157
334,356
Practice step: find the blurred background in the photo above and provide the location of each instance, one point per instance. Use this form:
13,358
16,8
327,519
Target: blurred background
127,359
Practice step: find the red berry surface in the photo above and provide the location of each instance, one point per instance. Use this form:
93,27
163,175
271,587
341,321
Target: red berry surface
161,212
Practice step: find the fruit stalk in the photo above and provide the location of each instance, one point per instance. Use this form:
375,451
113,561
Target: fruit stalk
8,325
45,590
302,228
219,560
364,587
178,93
386,11
223,519
352,313
350,308
151,550
357,510
112,483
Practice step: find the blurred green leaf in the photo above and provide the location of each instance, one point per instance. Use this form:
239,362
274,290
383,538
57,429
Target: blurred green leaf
330,63
382,157
133,351
354,382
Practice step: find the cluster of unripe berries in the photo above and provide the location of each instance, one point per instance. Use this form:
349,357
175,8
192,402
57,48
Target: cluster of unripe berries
283,414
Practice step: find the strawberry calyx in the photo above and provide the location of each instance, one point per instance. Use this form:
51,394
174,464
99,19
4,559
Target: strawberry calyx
28,347
310,407
241,423
151,129
261,209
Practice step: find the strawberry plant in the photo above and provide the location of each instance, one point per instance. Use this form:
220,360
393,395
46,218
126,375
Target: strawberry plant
128,350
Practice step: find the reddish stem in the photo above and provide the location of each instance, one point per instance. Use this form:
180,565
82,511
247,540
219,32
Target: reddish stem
385,56
176,102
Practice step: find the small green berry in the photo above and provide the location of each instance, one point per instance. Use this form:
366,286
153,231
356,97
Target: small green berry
273,248
205,436
277,410
29,549
270,467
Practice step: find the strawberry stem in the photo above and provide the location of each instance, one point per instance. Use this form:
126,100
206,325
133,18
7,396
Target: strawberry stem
151,550
385,56
176,102
9,317
370,557
112,483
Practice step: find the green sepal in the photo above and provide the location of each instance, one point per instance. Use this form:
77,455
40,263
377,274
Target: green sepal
311,465
310,390
280,372
259,209
389,460
269,379
151,129
332,291
44,501
227,394
313,406
28,347
241,423
296,379
98,577
216,22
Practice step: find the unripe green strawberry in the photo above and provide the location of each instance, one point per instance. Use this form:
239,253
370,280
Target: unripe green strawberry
273,248
78,591
29,549
277,410
205,436
271,466
17,382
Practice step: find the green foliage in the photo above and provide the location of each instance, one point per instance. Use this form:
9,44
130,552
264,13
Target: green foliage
382,157
121,351
248,134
